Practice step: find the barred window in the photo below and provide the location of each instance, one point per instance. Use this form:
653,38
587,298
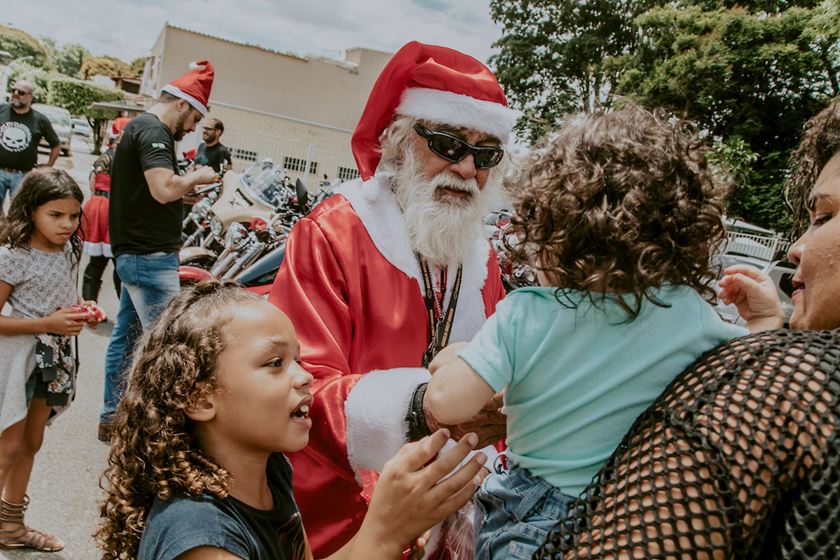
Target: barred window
245,155
297,164
347,173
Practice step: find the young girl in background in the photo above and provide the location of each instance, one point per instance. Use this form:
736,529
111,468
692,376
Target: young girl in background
196,469
39,253
620,214
97,242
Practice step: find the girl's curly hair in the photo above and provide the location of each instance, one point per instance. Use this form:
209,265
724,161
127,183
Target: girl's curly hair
153,452
820,142
619,202
39,187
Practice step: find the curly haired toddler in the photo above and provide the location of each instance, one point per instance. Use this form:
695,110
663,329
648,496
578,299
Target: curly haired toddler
619,212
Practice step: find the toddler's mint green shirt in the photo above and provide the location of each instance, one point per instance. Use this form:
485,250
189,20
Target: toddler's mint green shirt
576,379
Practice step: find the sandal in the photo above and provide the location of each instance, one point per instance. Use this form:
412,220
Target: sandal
23,536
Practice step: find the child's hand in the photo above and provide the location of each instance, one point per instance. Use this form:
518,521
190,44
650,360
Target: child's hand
95,313
412,495
752,292
446,355
67,321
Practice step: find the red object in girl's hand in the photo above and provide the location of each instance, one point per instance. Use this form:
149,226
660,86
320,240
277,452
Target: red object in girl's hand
92,313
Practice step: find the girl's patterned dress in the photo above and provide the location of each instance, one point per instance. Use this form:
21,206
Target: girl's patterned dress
39,365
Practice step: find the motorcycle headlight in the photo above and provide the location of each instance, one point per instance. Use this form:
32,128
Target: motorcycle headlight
202,207
216,226
235,233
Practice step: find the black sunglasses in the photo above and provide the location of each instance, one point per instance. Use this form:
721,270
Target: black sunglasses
18,91
451,148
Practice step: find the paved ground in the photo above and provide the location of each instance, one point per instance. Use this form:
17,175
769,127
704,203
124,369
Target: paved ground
65,483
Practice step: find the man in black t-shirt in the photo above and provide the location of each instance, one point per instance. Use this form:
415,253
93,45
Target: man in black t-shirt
145,218
212,152
21,129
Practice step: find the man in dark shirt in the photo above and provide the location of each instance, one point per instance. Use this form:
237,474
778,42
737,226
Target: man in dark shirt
145,218
212,152
21,129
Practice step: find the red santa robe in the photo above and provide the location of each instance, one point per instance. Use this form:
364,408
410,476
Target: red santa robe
353,289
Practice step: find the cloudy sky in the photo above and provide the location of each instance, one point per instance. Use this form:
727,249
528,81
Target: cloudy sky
128,28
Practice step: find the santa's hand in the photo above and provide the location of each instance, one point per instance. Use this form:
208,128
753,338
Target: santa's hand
489,424
446,356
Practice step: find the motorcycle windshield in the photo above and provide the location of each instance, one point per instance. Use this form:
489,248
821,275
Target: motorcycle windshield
265,183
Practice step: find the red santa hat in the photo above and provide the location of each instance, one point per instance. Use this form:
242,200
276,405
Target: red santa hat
194,86
434,84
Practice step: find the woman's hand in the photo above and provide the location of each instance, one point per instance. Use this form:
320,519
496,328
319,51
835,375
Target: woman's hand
755,296
67,321
412,494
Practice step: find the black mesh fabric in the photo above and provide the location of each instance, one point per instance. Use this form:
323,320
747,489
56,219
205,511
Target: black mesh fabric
738,458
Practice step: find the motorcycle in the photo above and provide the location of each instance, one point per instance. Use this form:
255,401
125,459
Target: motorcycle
260,245
497,226
261,191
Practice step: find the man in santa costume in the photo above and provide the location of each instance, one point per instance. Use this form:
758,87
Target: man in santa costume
144,218
391,269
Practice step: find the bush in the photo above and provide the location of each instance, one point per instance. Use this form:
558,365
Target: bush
77,96
38,77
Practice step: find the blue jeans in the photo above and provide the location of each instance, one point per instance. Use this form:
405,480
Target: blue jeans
514,513
148,283
9,182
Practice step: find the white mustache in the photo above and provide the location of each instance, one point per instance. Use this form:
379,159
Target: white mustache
451,181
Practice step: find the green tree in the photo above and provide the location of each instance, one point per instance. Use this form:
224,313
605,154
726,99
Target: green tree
557,57
77,96
745,71
104,66
753,76
69,58
136,67
21,44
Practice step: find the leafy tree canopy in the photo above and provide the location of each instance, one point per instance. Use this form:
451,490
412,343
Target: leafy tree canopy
104,66
136,67
21,44
748,72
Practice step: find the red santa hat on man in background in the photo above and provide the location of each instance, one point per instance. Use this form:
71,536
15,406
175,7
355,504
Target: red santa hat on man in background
194,86
435,84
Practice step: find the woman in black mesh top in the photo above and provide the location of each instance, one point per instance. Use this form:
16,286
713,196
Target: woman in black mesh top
740,456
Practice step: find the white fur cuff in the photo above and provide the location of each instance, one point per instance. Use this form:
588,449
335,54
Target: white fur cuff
376,410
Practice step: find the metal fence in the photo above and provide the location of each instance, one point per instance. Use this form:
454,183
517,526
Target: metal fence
756,246
302,160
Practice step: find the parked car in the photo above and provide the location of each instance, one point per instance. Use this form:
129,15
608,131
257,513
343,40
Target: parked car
61,122
82,128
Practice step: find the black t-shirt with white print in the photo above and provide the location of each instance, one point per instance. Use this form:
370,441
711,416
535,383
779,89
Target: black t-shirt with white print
20,135
139,224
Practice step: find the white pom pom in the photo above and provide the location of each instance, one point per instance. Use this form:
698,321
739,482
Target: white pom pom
194,66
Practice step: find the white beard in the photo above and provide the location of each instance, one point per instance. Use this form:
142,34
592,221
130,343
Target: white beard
441,231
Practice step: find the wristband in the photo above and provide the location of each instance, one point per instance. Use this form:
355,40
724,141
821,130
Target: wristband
416,417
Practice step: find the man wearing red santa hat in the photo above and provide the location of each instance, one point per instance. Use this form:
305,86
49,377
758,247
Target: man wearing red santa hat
395,266
145,217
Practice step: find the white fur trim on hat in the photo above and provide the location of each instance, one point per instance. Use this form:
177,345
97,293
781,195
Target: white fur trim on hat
446,107
195,103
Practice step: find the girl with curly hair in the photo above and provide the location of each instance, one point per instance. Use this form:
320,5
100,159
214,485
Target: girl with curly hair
196,470
39,254
620,213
